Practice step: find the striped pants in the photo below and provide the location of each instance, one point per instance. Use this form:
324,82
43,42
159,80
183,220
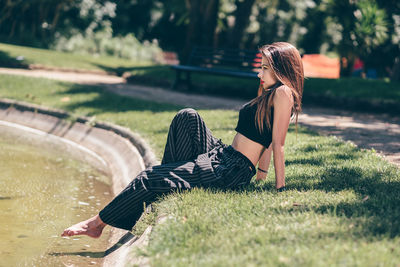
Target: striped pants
193,157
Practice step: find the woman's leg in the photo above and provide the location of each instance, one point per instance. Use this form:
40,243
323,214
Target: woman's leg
188,137
126,208
92,227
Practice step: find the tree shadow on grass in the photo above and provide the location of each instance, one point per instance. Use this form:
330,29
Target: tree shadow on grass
372,137
11,62
121,70
109,102
310,161
376,211
378,214
302,130
378,191
340,167
158,75
203,84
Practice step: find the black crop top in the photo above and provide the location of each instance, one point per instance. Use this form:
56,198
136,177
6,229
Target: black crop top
247,126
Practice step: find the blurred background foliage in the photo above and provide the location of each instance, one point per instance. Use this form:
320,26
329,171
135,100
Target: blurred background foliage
365,29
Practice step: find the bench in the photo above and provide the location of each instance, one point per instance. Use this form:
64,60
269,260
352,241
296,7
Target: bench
225,62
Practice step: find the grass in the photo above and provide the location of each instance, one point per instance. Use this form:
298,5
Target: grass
355,88
341,209
50,58
334,92
331,90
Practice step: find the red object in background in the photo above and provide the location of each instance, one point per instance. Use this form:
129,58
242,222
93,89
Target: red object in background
170,58
321,66
257,61
358,64
315,65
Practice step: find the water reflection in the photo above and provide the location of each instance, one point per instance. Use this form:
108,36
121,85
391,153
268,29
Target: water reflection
101,254
44,189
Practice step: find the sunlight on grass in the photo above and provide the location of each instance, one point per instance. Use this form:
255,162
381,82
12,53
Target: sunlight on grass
58,59
341,207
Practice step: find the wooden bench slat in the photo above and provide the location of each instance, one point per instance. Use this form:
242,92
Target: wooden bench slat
227,62
229,72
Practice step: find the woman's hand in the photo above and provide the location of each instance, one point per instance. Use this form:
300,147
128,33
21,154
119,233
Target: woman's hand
261,176
263,164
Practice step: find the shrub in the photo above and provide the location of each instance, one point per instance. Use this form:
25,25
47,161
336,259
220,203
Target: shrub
103,43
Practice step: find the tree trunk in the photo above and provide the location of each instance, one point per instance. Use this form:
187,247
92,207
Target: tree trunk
346,64
242,19
396,70
193,7
56,16
210,22
202,24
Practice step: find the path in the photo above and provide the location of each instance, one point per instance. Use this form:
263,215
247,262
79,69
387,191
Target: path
378,131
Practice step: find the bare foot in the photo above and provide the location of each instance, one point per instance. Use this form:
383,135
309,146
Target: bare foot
92,227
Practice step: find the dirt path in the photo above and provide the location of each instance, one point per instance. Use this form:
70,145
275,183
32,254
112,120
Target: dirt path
378,131
70,76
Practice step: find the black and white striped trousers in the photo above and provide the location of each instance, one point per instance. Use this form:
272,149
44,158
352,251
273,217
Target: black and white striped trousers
193,157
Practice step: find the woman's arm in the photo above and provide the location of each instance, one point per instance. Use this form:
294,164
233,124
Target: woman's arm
283,103
263,164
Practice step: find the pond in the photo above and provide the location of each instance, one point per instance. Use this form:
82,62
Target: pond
45,186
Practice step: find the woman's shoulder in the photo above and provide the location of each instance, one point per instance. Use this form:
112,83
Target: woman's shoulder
283,94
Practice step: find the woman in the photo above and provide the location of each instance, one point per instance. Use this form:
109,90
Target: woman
194,158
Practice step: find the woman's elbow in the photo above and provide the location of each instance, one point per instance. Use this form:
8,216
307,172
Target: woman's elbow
278,143
277,146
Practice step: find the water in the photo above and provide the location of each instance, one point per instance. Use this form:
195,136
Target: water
43,189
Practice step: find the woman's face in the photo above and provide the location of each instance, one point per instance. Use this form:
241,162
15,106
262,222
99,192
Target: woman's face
266,75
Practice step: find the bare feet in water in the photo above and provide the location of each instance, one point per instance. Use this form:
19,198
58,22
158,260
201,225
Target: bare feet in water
92,227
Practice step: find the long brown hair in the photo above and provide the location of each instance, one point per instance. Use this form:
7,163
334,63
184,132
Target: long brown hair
285,62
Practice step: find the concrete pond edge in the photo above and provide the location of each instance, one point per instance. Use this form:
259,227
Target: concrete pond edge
122,155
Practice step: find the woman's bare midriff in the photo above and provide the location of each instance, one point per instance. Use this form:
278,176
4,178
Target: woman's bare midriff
247,147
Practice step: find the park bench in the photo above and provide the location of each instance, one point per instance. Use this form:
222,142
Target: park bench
225,62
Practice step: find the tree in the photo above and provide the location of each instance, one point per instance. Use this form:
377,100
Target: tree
30,22
363,28
282,20
39,22
133,17
202,24
314,23
387,55
170,28
242,18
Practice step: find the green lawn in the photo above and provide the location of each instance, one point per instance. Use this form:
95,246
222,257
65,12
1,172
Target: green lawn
334,92
350,88
50,58
355,88
341,209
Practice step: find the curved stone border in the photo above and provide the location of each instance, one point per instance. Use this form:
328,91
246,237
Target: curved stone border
125,153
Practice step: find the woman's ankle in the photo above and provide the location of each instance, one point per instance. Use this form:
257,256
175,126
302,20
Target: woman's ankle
98,222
